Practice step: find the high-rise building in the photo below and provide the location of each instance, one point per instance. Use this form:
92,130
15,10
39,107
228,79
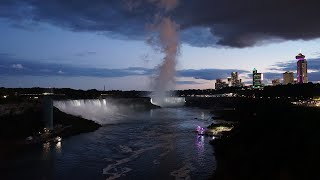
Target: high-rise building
234,78
220,84
275,82
257,79
302,69
288,78
235,82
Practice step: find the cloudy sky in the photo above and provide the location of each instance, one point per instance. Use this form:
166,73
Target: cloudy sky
91,43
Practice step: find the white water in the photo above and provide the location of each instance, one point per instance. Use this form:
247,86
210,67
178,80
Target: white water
102,111
109,111
168,101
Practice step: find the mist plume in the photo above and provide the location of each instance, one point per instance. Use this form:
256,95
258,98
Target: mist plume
167,42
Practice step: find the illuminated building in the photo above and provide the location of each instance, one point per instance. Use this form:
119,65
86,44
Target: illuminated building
275,82
302,69
257,79
288,78
220,84
235,82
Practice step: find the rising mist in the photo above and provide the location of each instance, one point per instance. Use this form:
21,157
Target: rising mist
167,42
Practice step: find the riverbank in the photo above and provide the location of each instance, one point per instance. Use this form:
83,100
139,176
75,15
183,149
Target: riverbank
28,121
272,140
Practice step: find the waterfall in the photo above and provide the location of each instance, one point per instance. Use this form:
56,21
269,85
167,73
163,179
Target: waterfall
102,111
168,101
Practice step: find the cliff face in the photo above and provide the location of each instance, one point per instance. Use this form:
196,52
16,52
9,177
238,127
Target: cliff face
20,120
76,124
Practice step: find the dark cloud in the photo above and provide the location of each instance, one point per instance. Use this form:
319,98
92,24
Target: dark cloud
86,53
209,74
235,23
5,54
313,68
312,76
313,64
187,82
15,67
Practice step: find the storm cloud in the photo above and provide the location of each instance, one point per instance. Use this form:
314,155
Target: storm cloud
233,23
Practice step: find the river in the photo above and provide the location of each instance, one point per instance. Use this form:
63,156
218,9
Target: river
157,144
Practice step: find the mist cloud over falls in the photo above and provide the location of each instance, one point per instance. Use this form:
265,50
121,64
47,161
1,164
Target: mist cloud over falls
234,23
167,41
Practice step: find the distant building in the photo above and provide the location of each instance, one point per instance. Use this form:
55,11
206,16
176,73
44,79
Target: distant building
288,78
275,82
234,78
241,83
257,79
235,82
302,69
229,81
220,84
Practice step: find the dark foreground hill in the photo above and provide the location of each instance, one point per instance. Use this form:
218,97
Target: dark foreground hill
271,141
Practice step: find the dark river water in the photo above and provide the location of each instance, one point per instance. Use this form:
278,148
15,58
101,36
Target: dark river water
158,144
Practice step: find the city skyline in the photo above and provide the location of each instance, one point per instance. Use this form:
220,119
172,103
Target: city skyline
258,80
94,47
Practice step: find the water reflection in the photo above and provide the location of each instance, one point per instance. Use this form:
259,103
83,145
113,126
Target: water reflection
202,115
200,143
45,150
58,147
46,147
200,150
151,113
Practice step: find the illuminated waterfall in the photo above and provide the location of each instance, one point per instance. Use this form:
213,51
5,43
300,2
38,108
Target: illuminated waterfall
102,111
168,101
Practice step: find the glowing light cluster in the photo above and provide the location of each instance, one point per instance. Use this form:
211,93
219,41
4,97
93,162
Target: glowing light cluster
200,130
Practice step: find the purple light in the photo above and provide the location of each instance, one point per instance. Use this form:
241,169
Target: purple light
198,129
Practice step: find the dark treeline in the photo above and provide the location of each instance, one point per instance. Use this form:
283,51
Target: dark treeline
290,90
307,90
68,93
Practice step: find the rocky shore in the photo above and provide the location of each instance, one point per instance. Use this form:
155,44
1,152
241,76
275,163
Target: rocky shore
272,140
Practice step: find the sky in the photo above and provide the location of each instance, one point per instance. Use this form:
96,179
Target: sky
89,44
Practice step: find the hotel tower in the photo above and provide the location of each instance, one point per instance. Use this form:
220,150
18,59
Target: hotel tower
302,69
